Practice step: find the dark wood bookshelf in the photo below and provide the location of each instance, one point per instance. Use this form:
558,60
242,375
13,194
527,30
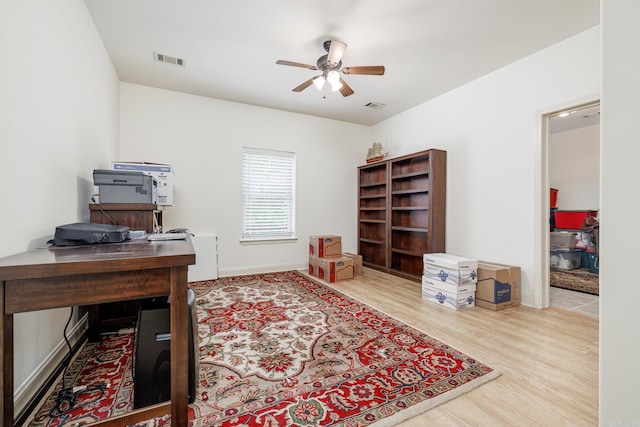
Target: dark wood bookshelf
402,212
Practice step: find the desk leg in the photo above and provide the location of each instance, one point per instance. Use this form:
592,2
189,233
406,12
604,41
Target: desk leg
179,347
6,346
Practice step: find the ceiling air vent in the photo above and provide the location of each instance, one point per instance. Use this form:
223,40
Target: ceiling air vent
168,59
374,105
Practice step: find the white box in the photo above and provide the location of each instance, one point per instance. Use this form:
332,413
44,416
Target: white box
446,299
456,277
164,174
448,287
451,261
206,266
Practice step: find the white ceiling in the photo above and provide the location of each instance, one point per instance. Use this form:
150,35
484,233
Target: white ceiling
230,48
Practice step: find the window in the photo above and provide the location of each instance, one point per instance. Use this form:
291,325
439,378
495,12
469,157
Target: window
268,194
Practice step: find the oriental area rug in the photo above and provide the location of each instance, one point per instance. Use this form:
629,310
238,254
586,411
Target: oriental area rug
105,368
581,279
281,349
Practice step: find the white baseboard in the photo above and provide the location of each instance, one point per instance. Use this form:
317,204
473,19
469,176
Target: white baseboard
30,386
257,269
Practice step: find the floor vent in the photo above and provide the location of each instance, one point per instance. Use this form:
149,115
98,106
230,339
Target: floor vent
168,59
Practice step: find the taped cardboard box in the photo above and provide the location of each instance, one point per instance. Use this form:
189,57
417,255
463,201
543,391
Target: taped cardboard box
325,246
335,269
357,263
455,301
456,277
453,262
313,266
448,287
498,286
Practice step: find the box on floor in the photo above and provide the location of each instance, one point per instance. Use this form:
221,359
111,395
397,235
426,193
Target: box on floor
335,269
453,300
498,286
357,263
449,287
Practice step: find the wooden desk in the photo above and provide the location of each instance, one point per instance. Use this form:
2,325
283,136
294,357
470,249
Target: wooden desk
72,276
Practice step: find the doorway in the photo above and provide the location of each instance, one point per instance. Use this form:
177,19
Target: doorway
573,172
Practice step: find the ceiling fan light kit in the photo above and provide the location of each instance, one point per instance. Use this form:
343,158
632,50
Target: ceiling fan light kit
331,67
319,82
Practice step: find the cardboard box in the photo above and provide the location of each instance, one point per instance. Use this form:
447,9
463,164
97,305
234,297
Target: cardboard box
448,287
313,266
457,301
164,174
335,269
453,262
498,286
325,246
357,263
456,277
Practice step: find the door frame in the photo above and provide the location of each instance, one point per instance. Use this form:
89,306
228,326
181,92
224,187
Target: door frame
541,250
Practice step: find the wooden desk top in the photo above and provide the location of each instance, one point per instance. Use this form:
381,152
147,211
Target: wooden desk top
138,254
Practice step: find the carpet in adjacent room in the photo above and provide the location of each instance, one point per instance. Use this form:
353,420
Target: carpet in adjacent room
581,279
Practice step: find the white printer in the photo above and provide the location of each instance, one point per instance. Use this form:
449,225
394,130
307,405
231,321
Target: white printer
125,186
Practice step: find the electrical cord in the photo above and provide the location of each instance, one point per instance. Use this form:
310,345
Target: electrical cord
67,398
93,199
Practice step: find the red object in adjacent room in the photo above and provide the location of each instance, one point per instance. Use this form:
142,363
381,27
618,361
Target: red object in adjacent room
572,220
553,197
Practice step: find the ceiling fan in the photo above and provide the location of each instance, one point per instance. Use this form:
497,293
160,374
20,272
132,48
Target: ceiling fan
331,67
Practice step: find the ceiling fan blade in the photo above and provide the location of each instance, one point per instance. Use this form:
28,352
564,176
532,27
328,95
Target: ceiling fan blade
296,64
372,70
336,50
304,85
345,90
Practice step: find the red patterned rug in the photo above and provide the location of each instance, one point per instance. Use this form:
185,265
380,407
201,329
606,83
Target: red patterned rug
282,349
105,369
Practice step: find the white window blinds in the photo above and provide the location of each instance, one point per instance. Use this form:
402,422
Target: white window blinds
268,194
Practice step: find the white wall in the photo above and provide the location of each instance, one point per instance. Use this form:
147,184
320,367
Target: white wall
619,203
491,131
58,121
203,139
574,168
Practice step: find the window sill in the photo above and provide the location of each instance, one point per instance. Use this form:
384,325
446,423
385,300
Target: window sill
268,240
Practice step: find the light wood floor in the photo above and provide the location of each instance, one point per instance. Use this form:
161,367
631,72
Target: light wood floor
548,358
